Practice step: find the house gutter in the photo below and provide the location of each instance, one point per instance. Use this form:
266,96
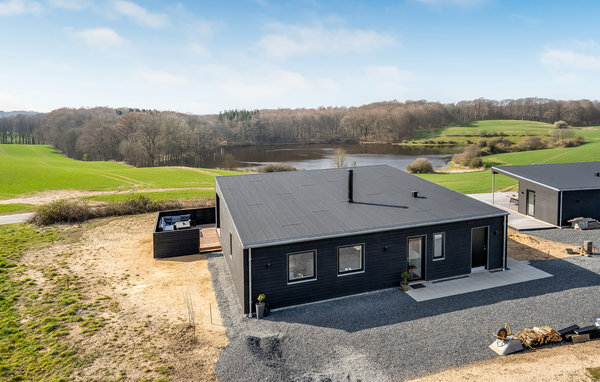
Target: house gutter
372,230
249,282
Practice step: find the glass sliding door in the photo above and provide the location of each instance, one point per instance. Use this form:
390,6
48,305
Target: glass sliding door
416,251
530,202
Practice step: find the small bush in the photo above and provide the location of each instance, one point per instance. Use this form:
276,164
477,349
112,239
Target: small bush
532,143
420,166
471,157
561,125
276,167
562,134
62,211
76,211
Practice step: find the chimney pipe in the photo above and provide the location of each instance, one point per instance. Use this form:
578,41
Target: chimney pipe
598,174
350,185
415,194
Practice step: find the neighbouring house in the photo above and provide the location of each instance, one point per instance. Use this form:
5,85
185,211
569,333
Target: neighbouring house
304,236
556,193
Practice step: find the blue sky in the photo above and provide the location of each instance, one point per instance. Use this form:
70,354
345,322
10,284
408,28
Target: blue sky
206,56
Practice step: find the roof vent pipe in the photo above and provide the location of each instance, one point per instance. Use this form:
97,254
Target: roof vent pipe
350,185
598,174
415,194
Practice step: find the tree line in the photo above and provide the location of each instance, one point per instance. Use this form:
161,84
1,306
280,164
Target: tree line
156,138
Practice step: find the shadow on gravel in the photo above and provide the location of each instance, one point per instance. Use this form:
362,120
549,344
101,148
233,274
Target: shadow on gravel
392,306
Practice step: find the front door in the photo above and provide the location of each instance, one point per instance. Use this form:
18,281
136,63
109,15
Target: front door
479,240
530,202
416,252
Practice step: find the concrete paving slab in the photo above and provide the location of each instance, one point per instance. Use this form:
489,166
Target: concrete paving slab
516,220
518,272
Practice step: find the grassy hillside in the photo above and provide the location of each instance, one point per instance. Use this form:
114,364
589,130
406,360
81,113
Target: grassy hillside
27,169
472,131
478,182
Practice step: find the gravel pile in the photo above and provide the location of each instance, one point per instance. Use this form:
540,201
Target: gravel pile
568,235
387,336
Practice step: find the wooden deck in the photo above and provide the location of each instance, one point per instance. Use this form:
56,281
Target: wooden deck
209,241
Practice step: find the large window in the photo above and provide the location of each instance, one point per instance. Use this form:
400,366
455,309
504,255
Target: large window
350,258
438,246
301,266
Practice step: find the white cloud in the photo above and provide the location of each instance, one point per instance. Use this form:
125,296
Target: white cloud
161,77
103,38
140,15
198,49
297,40
18,7
73,5
557,58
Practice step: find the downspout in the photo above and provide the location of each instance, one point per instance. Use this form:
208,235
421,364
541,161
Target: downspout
505,239
560,197
249,282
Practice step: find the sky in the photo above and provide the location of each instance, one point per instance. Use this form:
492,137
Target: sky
203,57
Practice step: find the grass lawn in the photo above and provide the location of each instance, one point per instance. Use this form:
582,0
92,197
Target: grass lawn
516,131
34,318
6,209
479,182
30,168
160,195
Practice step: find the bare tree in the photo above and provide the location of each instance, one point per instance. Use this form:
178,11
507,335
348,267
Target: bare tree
339,158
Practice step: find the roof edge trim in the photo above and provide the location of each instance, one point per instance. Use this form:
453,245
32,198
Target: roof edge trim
372,230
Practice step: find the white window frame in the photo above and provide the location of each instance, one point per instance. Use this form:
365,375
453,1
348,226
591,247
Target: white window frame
443,257
304,279
362,254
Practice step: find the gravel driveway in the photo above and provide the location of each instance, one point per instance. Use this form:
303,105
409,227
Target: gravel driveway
568,235
387,336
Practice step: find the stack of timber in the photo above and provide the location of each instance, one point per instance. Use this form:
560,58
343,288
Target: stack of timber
539,336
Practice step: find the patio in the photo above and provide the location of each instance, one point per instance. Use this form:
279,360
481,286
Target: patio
517,272
516,220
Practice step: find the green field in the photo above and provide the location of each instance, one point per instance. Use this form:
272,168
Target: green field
479,182
28,169
516,131
159,195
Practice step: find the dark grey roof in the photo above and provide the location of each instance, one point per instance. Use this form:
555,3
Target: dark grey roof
559,176
299,205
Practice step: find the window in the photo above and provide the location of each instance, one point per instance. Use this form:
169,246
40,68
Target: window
301,266
438,246
230,245
350,258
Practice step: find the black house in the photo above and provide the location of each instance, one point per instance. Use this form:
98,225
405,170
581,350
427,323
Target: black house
303,236
555,193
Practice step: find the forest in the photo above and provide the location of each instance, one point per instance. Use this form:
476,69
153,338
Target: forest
157,138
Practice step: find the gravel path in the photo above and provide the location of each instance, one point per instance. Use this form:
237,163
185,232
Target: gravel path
15,218
386,336
568,235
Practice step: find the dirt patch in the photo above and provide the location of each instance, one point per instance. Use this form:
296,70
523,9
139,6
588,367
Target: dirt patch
525,247
46,197
556,363
145,331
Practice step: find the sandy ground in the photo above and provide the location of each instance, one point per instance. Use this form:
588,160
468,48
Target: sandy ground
525,247
146,332
562,363
46,197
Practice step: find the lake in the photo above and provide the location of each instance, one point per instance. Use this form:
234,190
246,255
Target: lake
319,156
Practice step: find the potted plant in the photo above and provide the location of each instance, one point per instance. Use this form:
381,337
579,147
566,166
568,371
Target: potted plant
260,306
404,282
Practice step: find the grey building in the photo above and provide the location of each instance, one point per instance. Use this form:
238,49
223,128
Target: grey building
303,236
555,193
